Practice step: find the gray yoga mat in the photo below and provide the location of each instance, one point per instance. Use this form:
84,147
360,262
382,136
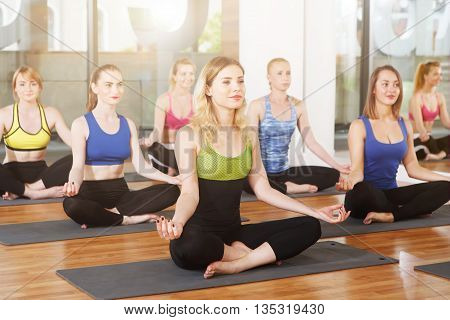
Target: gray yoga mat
25,201
47,231
129,177
440,217
163,276
134,177
438,269
246,197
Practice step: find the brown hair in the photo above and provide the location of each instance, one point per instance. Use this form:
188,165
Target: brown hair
421,71
370,108
205,119
174,69
27,72
92,97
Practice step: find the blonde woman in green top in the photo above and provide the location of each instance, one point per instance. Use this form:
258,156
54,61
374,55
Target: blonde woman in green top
215,154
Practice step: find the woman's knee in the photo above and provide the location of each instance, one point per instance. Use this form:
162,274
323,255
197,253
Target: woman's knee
442,187
185,253
195,252
314,227
73,209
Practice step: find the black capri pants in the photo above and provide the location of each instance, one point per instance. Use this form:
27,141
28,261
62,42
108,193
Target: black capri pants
403,202
14,175
432,145
198,247
321,177
88,206
162,158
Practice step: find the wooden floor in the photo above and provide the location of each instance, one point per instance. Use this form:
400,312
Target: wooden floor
28,271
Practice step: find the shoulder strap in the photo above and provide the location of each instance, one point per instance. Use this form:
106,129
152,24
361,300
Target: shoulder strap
170,102
267,105
368,127
403,127
293,109
44,123
15,122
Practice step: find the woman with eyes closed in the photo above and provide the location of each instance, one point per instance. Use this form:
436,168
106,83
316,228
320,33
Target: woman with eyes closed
173,110
26,127
102,140
425,106
379,141
215,155
276,116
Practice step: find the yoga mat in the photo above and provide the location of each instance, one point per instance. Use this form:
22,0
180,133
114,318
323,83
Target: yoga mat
440,217
163,276
25,201
129,177
246,197
438,269
47,231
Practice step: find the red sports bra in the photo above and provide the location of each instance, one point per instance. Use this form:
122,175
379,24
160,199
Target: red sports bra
427,115
172,121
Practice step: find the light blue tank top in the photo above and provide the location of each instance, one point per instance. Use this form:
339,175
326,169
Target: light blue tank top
274,138
381,160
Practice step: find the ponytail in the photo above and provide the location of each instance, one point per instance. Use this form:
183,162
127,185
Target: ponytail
422,70
92,96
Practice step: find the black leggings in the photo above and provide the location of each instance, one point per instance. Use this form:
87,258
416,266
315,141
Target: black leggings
198,247
14,175
162,158
88,207
432,145
404,202
321,177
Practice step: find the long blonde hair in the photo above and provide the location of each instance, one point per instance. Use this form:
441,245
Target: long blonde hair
28,72
370,110
92,96
422,70
205,119
174,69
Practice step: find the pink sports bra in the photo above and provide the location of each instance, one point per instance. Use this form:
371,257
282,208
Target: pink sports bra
172,121
427,115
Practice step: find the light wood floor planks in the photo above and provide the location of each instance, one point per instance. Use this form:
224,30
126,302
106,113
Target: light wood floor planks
28,271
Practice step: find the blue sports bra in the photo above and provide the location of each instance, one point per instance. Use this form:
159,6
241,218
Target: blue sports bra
107,149
381,160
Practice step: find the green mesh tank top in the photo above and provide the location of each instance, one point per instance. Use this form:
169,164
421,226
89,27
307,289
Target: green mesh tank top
211,165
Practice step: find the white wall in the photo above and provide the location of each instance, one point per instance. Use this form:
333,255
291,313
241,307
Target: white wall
270,29
304,33
320,71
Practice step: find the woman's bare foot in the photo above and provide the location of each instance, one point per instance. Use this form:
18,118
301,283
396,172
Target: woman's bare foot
9,196
171,172
83,226
236,251
220,267
127,220
435,156
240,246
300,188
378,217
54,192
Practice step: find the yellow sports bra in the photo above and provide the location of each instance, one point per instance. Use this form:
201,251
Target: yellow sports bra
18,139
